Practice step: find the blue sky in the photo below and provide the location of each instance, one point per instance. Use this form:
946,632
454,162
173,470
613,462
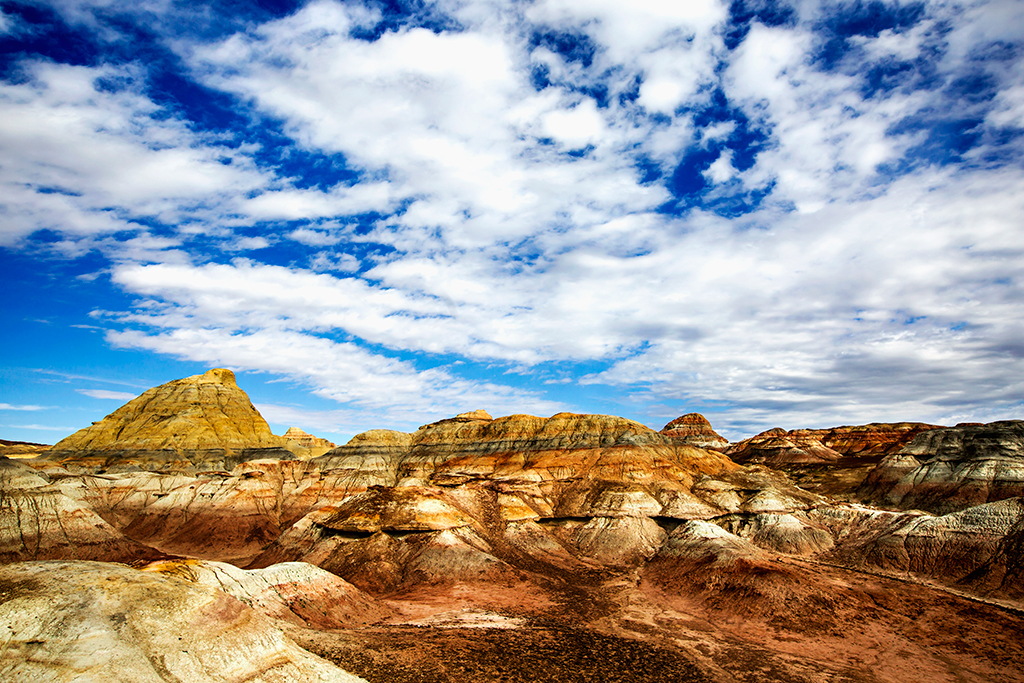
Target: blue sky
379,214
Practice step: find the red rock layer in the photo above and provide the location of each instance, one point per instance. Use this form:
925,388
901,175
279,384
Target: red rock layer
694,429
778,446
952,468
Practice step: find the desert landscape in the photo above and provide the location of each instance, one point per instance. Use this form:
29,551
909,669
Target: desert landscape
178,539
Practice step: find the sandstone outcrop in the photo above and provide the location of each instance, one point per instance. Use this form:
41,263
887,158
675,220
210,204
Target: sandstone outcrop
953,468
108,623
203,422
313,445
21,449
693,429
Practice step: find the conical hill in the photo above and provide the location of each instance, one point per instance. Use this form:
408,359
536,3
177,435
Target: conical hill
203,422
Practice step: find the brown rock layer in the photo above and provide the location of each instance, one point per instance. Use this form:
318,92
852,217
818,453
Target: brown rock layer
832,462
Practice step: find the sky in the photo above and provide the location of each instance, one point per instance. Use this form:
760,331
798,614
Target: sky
384,213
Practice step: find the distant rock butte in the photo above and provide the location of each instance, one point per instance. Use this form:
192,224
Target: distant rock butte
313,444
778,446
21,449
203,422
949,469
694,429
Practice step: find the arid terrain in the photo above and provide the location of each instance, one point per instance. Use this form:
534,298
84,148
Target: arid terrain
179,539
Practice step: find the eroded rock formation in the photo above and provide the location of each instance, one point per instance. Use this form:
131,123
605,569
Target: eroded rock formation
314,445
833,461
109,623
693,429
203,422
598,546
39,521
21,449
953,468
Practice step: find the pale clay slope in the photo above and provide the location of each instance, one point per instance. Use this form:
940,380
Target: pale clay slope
79,622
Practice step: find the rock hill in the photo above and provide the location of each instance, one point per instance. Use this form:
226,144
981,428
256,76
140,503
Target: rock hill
832,461
203,422
693,429
522,548
953,468
313,444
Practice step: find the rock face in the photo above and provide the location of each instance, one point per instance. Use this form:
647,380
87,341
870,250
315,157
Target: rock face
21,449
779,447
39,521
496,500
203,422
831,462
973,548
314,444
108,623
693,429
953,468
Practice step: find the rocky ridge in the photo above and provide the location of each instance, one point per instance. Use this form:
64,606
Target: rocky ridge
21,449
952,468
833,461
572,532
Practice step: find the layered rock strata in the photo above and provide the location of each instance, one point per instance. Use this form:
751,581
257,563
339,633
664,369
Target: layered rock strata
496,498
831,462
313,445
39,521
21,449
693,429
953,468
203,422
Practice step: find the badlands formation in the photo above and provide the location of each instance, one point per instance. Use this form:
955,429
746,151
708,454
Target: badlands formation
179,540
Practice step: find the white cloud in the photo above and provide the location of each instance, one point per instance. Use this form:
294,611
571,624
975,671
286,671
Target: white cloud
854,292
627,28
9,406
576,127
60,134
721,168
390,389
107,395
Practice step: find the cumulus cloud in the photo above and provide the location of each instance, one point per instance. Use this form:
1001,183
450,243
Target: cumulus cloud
799,222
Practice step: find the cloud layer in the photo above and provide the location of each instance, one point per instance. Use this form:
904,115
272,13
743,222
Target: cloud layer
779,214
